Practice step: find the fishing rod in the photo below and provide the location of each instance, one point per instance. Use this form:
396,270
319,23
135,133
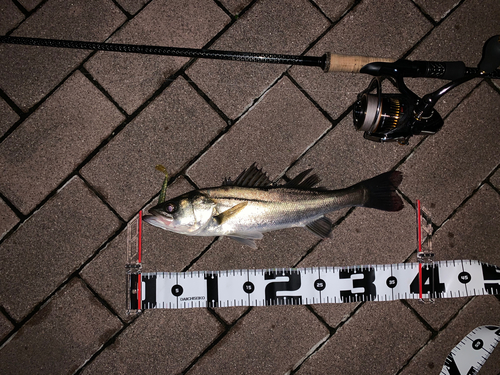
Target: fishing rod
383,117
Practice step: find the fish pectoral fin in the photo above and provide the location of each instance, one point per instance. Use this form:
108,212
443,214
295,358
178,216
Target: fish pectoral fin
247,238
222,217
321,227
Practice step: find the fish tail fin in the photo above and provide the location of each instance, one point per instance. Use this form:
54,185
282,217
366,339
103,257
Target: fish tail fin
381,191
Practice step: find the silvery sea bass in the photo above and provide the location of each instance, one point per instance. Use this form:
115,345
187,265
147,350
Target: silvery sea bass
251,205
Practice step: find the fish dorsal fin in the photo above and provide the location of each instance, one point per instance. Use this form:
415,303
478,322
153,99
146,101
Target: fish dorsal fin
250,177
321,227
221,218
300,182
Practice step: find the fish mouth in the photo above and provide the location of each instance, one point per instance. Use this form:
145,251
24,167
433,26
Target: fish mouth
158,219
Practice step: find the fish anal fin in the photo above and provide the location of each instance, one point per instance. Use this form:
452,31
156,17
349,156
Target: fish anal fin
247,238
222,217
321,227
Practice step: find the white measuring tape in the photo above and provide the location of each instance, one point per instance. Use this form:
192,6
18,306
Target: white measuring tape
471,353
307,286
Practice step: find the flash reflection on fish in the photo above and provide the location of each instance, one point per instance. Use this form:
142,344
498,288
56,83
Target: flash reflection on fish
251,205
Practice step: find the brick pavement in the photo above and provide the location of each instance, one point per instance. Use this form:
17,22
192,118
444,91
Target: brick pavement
81,132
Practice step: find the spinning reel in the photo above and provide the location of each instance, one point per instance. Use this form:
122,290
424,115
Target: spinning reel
396,117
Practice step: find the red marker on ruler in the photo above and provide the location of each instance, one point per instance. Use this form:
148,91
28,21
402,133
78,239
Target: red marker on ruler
139,250
419,239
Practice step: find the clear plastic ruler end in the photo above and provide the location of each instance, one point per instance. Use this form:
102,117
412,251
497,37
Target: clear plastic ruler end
134,264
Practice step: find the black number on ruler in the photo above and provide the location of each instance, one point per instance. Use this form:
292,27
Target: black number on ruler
149,291
369,289
491,273
292,284
212,290
430,282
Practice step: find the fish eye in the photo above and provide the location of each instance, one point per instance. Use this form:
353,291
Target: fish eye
170,207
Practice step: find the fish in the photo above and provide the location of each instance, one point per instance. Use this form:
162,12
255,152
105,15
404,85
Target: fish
251,205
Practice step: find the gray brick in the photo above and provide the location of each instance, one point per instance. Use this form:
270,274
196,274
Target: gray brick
7,117
334,315
495,179
29,4
62,336
5,326
378,339
174,338
481,311
367,236
162,251
132,6
282,248
47,146
10,16
448,166
375,28
51,245
270,356
279,128
7,218
124,172
27,73
334,9
437,9
269,27
132,78
235,6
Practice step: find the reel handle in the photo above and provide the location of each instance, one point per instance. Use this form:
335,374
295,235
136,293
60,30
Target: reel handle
349,63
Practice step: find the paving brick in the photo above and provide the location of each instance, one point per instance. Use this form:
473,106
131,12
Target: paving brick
282,342
286,27
343,157
133,6
472,233
7,117
459,38
235,6
10,16
174,338
62,336
124,171
7,218
495,179
436,9
29,4
367,236
378,339
45,148
162,251
334,10
282,248
132,78
28,73
50,245
374,28
448,166
334,315
5,326
279,128
481,311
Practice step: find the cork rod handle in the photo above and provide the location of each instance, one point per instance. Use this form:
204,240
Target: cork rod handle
350,64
